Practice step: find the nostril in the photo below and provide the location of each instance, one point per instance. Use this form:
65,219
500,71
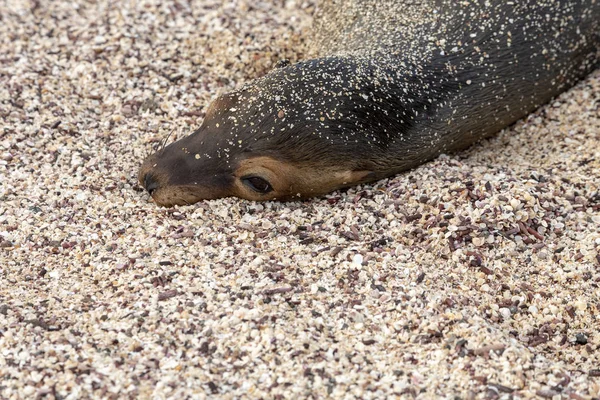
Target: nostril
150,183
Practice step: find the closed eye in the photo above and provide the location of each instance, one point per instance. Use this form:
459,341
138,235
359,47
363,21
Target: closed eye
257,184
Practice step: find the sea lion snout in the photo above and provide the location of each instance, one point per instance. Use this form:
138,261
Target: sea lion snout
173,176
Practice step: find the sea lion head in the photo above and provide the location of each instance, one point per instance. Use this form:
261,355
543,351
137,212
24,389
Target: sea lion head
298,132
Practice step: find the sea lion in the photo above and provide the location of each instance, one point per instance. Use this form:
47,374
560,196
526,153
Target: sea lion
395,83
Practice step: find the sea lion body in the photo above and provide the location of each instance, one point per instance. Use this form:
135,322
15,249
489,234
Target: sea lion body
394,84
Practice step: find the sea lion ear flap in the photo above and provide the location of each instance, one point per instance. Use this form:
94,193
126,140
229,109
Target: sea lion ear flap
222,104
284,62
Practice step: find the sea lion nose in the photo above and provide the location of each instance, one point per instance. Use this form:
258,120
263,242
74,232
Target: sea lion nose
150,183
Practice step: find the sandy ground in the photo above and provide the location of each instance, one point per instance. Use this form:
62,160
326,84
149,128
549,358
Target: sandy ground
476,275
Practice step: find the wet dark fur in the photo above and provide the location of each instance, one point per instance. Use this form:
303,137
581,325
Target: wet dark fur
378,111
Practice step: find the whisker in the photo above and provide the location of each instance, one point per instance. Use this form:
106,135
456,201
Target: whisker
161,144
156,145
164,144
